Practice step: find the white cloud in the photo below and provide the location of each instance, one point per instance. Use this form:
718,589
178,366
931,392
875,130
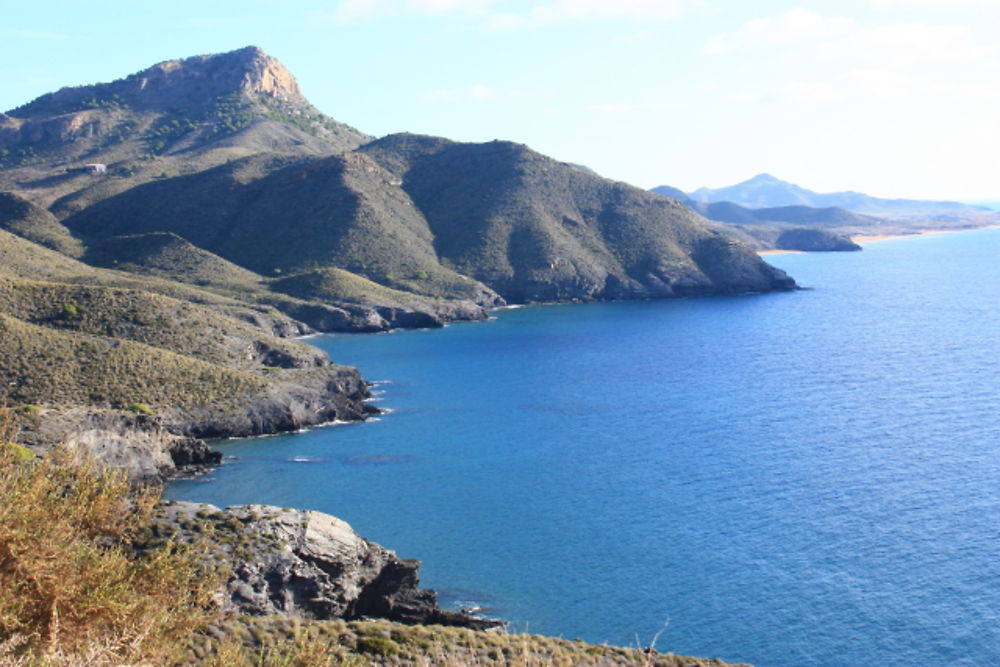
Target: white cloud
948,4
791,27
542,13
561,11
353,11
614,107
907,44
842,39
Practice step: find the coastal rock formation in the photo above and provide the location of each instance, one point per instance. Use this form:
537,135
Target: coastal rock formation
306,564
298,400
138,444
811,240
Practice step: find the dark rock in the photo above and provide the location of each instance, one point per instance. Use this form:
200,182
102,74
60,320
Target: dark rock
310,397
193,452
309,565
813,240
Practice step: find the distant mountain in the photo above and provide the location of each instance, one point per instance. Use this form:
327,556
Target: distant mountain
783,227
673,193
765,190
728,211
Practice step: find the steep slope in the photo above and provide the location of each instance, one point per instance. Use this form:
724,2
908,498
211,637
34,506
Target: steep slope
281,219
442,219
24,218
180,116
130,314
535,229
88,344
765,190
169,256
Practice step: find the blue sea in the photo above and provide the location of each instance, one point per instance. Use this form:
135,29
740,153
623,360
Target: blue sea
807,478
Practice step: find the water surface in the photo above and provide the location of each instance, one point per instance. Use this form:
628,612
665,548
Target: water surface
807,478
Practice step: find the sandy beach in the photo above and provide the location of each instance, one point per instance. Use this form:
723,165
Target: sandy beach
867,238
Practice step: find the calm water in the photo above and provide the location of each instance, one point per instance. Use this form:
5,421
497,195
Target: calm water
790,479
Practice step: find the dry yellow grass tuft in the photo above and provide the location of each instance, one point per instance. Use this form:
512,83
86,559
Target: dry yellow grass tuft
72,589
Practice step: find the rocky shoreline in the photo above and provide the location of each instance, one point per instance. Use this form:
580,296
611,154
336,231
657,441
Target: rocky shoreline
283,562
304,564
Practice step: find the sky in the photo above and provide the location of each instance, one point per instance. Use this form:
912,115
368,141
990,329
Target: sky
894,98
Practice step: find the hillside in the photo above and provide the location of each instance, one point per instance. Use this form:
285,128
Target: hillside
163,236
177,117
764,190
225,212
535,229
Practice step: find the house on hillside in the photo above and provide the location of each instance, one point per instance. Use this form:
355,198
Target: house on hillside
92,168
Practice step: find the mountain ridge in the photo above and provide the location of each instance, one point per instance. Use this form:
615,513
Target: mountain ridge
765,190
222,191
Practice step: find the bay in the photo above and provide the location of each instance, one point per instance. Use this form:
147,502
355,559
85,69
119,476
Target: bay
807,478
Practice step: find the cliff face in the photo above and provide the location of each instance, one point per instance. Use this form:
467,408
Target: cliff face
138,444
307,565
197,80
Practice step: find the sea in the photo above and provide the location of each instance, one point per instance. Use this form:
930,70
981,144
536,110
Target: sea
800,478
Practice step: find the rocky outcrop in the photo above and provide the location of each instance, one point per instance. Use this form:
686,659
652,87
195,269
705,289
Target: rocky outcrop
155,447
298,400
358,318
306,564
138,444
814,240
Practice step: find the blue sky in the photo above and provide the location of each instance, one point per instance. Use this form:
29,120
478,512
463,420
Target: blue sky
890,97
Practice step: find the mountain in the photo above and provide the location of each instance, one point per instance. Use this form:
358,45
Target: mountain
161,234
177,117
765,190
441,219
728,211
802,228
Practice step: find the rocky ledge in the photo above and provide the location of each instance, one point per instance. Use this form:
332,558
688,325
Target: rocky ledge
154,447
305,564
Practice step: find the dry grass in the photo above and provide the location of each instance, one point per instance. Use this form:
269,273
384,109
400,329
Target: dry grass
72,591
292,643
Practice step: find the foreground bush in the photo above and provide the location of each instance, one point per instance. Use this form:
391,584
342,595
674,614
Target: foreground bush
71,588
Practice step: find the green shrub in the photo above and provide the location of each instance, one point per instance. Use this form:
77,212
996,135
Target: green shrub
17,453
377,646
140,409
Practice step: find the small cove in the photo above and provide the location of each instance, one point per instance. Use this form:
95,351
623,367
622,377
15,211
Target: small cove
790,479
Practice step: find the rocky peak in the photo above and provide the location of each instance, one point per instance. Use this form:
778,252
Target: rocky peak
247,71
197,80
763,178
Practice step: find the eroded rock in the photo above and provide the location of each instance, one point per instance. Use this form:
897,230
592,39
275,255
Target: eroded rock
307,564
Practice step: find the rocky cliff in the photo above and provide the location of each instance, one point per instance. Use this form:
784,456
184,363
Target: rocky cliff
305,564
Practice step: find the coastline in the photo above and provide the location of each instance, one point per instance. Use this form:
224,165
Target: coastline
779,251
870,238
